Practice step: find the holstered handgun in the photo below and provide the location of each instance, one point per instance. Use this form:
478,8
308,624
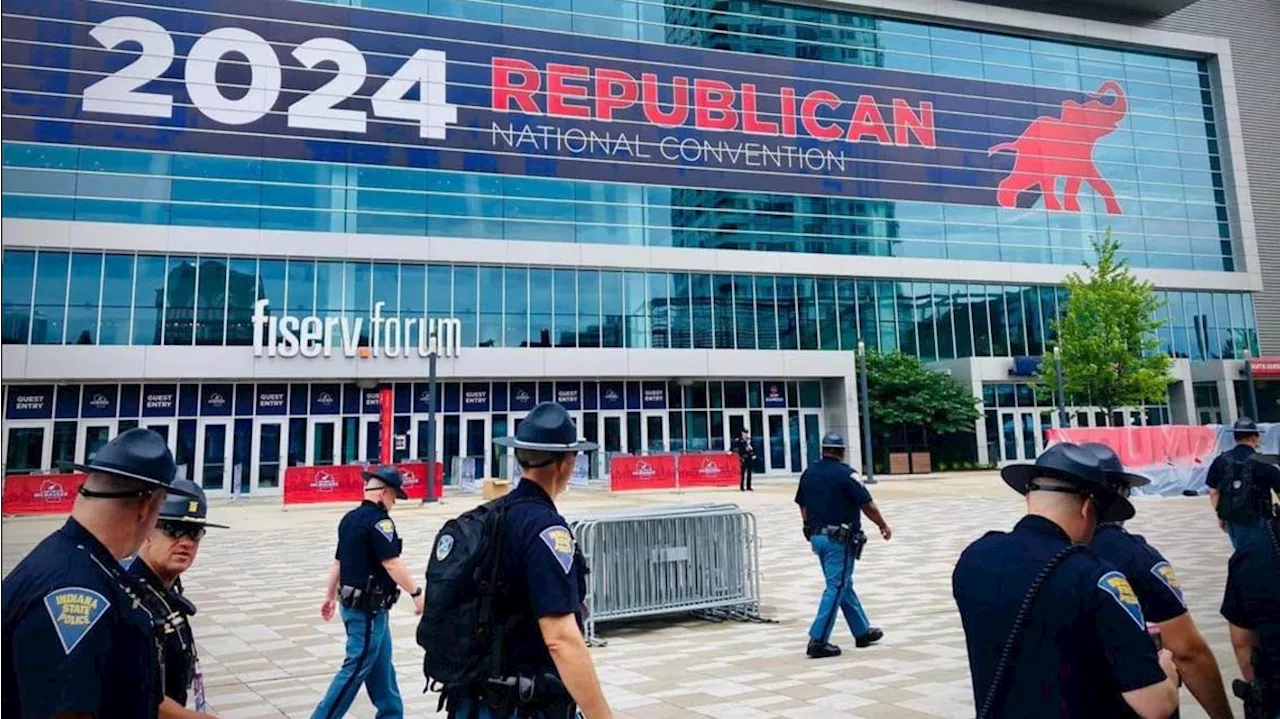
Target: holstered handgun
544,693
1261,701
857,540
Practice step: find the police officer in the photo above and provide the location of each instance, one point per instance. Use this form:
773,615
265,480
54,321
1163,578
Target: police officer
1050,627
1251,606
832,501
1159,593
546,581
76,639
366,571
746,459
165,555
1265,480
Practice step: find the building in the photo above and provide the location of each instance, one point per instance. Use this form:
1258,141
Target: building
235,221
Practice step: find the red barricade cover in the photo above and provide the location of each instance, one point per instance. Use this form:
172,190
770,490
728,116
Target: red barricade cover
336,483
413,472
1160,445
648,472
709,469
26,494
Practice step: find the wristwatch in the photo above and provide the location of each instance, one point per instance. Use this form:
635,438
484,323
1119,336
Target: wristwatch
416,594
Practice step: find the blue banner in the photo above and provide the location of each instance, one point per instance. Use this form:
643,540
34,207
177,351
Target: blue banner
524,395
159,400
611,396
271,399
654,395
775,394
28,401
324,399
99,401
475,397
343,84
215,400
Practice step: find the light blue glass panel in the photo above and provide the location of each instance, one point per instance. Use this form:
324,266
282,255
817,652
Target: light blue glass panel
465,302
179,300
490,299
216,191
565,307
148,300
387,200
19,273
243,290
49,310
515,307
117,300
464,205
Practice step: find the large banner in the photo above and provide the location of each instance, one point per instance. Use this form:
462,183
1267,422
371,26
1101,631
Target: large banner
26,494
656,471
311,81
1175,458
706,470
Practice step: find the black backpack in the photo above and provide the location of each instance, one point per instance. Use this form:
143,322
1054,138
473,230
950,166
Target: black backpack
1237,496
462,629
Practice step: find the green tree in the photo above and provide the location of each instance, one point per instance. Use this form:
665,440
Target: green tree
903,392
1110,353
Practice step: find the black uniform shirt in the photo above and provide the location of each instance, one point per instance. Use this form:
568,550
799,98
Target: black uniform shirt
1266,477
831,494
544,571
742,446
75,635
179,644
1084,641
366,538
1148,572
1252,597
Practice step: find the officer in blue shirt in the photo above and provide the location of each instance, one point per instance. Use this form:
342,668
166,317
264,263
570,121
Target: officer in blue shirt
832,502
545,574
76,640
366,571
1159,593
168,552
1251,606
1051,629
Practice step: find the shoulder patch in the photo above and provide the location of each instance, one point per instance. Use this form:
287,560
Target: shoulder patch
74,611
386,528
1164,572
444,545
1115,584
560,542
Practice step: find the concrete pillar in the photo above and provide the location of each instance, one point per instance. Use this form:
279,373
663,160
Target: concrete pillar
841,412
1182,400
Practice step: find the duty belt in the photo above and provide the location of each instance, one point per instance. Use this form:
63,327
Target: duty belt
845,533
366,600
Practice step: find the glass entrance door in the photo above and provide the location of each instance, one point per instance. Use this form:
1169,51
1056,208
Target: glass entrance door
370,439
655,432
776,443
613,437
475,445
322,441
28,446
270,438
1022,434
93,434
213,455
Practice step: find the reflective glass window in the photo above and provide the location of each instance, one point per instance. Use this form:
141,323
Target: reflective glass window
84,285
659,311
148,300
211,301
680,310
491,287
385,285
944,321
613,309
744,320
243,291
700,298
788,319
49,312
637,310
565,307
465,302
722,301
515,331
766,314
19,270
117,300
301,287
588,308
179,300
540,293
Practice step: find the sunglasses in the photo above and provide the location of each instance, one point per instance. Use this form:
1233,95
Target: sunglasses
173,530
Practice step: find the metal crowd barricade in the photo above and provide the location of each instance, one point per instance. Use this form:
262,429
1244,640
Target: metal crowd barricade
464,474
701,558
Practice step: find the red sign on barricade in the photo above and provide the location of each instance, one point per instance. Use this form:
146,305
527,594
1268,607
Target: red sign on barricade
310,485
27,494
707,470
413,472
648,472
1161,445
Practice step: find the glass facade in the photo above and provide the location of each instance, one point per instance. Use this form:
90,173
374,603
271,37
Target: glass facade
1163,161
59,297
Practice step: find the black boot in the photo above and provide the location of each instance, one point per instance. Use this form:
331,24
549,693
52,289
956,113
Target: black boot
821,650
872,636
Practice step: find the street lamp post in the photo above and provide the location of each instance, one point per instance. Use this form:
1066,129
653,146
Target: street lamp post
430,496
868,462
1248,377
1062,390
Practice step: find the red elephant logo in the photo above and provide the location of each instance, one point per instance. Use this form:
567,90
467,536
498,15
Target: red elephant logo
1056,147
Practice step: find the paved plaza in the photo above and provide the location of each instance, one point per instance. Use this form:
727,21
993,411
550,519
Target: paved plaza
266,652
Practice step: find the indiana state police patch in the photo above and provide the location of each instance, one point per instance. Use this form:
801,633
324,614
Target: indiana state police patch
386,528
1115,584
560,542
1164,572
74,611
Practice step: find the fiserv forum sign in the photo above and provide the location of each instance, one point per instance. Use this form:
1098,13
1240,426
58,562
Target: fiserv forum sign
314,336
291,79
